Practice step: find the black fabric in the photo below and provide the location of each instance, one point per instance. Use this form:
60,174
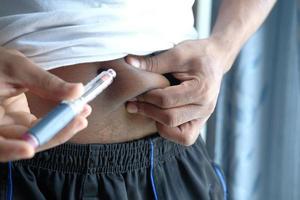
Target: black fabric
116,171
3,180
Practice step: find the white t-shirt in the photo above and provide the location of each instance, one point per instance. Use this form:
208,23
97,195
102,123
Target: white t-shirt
55,33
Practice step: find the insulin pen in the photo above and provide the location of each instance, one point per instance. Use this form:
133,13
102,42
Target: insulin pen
63,114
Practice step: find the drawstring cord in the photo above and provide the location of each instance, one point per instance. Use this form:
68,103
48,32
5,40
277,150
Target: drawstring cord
152,169
222,179
9,193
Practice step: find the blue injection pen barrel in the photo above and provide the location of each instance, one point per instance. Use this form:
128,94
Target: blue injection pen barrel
52,123
63,114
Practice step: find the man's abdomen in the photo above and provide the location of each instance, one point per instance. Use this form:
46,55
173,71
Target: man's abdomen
109,121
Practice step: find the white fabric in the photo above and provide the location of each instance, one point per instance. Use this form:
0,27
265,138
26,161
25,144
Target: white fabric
57,33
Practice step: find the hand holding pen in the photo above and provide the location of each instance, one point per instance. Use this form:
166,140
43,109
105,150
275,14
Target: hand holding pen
17,119
57,119
17,75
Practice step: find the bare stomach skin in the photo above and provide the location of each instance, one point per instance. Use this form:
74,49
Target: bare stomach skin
109,121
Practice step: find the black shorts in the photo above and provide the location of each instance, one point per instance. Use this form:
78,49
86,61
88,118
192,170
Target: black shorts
151,168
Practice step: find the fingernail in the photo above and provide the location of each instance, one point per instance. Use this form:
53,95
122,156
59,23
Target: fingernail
22,152
86,111
131,108
133,99
30,140
135,62
70,86
75,88
80,87
80,125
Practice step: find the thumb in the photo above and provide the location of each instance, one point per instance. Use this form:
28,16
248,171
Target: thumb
166,62
45,84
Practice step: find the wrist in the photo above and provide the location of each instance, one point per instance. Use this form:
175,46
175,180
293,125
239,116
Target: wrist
227,50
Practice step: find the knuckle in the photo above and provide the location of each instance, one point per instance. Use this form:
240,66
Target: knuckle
170,119
165,101
178,54
197,88
205,93
151,64
188,139
197,83
47,81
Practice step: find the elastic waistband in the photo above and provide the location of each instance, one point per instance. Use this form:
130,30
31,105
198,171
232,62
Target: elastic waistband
104,158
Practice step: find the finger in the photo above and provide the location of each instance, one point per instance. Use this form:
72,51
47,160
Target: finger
14,150
185,134
16,104
77,124
86,111
166,62
172,117
21,118
67,133
41,82
13,131
188,92
16,131
8,90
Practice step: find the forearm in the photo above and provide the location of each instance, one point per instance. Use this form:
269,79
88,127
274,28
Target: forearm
237,20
